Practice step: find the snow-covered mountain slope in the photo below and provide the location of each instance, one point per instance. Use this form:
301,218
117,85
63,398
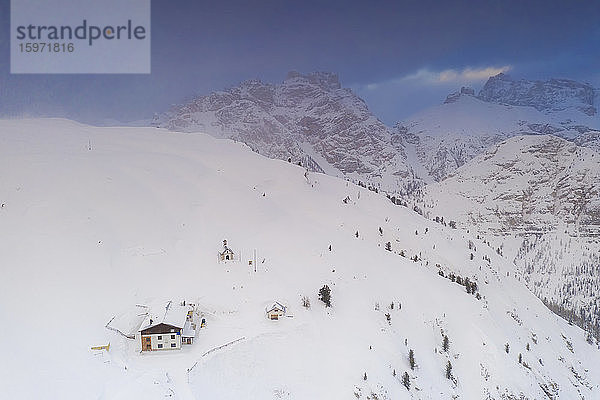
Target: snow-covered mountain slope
309,119
543,191
96,220
526,183
445,137
564,271
513,187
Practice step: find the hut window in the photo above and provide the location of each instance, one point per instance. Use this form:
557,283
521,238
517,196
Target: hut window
159,338
172,336
173,345
160,345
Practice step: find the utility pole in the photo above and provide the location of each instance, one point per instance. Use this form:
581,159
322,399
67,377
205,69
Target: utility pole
254,260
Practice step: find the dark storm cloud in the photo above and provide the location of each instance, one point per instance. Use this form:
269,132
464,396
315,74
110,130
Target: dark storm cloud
375,46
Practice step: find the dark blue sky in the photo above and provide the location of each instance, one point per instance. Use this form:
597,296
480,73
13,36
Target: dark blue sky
399,56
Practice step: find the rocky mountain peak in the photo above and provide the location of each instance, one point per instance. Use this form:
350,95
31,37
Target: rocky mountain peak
550,95
454,96
325,80
308,119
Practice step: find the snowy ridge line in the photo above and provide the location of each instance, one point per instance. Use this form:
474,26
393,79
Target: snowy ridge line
107,326
215,349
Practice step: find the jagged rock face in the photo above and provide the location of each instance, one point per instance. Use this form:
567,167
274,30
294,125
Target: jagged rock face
544,191
527,183
451,152
589,138
305,117
447,136
441,155
551,95
539,189
464,91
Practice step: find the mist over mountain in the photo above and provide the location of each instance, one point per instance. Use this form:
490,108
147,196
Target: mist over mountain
446,136
516,160
309,119
411,213
487,200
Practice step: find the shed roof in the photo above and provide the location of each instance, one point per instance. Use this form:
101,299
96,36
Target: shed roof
171,313
188,330
275,306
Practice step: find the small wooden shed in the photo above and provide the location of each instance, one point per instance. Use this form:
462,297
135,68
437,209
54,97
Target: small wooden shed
275,311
